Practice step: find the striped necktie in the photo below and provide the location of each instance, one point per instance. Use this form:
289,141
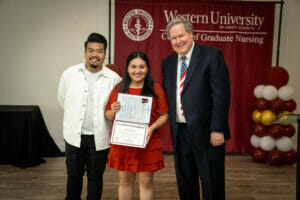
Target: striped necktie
183,71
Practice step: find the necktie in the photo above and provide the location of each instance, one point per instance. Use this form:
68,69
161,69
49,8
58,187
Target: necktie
183,71
183,66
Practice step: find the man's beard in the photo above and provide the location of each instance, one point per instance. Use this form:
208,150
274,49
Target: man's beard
94,66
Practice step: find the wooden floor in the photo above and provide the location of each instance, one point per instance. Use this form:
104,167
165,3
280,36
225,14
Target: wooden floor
245,180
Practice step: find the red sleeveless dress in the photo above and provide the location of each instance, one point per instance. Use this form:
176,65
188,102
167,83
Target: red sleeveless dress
133,159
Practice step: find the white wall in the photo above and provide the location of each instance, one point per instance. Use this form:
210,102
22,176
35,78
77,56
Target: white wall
289,48
41,38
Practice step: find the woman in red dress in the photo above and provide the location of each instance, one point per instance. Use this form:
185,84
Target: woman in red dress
134,162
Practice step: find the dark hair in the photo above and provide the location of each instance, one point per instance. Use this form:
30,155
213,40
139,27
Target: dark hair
96,37
148,82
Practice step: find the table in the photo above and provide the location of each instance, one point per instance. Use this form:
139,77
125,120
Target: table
24,138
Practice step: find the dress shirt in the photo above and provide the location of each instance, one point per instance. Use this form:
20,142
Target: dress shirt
73,97
179,117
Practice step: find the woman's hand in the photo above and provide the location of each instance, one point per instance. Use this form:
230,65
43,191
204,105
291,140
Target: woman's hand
149,133
115,106
161,120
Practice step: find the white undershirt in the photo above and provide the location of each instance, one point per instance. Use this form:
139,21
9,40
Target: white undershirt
88,123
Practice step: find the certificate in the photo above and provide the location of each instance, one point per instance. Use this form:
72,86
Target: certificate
129,134
134,108
132,120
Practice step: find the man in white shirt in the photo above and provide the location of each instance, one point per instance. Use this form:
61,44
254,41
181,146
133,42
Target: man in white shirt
83,93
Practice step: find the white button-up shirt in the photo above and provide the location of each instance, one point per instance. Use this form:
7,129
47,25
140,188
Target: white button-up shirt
73,97
179,117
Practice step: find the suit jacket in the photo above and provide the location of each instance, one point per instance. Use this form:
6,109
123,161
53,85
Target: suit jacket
205,96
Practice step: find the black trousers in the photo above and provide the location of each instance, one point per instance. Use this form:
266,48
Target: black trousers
190,164
79,160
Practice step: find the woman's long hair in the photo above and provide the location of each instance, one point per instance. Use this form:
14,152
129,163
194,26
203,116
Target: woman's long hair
148,81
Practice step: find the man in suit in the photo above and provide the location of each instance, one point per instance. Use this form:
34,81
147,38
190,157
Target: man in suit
196,81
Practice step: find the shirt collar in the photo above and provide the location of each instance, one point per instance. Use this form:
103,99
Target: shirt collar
102,72
188,55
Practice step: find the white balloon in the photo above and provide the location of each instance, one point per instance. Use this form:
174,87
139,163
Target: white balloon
270,92
284,144
258,91
267,143
255,141
286,93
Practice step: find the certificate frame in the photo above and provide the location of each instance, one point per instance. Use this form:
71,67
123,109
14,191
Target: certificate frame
130,134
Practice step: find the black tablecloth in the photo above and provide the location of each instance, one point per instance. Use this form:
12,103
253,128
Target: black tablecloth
24,138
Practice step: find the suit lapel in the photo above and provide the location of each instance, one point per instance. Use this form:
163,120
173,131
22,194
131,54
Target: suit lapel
192,67
173,75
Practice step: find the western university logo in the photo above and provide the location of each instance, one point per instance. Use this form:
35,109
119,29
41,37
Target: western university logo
137,24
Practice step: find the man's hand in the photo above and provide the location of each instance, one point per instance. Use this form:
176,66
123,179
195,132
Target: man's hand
216,138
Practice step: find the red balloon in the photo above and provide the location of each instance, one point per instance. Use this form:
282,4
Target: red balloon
259,130
289,130
277,76
261,104
290,157
276,157
277,105
259,155
276,130
290,105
